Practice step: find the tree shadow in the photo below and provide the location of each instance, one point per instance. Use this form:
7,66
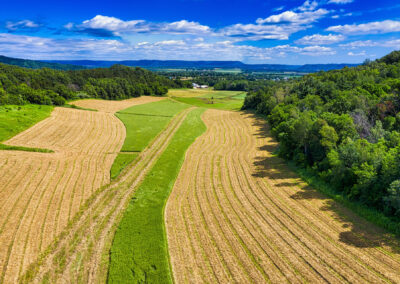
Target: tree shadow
356,231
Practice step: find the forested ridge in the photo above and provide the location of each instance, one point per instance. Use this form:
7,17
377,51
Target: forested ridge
35,64
54,87
344,125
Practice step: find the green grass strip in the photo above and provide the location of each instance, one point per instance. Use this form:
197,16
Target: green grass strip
143,123
218,103
26,149
139,253
120,163
78,107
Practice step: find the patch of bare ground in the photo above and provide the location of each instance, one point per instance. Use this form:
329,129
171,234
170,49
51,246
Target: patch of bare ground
41,193
238,214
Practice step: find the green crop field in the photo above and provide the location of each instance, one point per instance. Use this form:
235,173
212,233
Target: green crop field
139,252
209,98
143,123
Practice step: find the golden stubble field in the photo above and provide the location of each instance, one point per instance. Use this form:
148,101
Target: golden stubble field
40,193
237,214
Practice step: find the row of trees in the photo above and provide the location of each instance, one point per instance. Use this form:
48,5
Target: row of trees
345,124
48,86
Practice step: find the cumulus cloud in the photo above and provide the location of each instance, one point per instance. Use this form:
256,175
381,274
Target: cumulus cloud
106,26
318,39
387,26
340,1
257,32
308,6
24,24
293,17
369,43
362,53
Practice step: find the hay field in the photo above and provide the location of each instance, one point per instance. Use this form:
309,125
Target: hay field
237,214
40,193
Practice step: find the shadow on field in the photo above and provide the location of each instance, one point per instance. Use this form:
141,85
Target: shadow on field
355,231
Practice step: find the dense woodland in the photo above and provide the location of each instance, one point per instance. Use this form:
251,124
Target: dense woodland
345,125
54,87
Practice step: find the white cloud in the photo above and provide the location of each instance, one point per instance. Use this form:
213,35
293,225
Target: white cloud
279,9
318,39
308,6
112,49
340,1
170,42
293,17
258,32
359,43
111,26
387,26
362,53
13,26
369,43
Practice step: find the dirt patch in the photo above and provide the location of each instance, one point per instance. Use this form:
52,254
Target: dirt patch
238,214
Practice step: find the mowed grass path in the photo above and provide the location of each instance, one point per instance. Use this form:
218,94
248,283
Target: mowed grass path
143,123
139,252
209,98
15,119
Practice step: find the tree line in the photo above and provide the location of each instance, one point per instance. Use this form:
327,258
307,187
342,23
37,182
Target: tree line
344,125
54,87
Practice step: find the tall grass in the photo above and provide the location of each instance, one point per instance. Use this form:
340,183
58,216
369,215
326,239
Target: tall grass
139,253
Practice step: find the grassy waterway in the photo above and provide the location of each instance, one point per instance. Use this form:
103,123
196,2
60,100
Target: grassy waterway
139,252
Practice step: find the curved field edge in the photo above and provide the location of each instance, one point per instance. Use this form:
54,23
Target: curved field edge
139,251
15,119
142,123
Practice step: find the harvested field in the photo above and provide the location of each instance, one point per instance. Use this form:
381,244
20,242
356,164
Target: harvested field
238,214
114,106
40,193
81,253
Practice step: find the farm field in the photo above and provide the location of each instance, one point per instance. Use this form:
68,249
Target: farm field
209,98
81,253
237,213
42,192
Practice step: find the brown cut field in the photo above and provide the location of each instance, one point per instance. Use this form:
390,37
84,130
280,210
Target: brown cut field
40,193
238,214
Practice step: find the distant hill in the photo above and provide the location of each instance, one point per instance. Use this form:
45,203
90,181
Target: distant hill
208,65
34,64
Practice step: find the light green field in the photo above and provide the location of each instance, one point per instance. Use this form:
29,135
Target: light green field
15,119
143,123
139,253
209,98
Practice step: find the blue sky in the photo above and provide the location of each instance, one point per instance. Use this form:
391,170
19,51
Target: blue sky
252,31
